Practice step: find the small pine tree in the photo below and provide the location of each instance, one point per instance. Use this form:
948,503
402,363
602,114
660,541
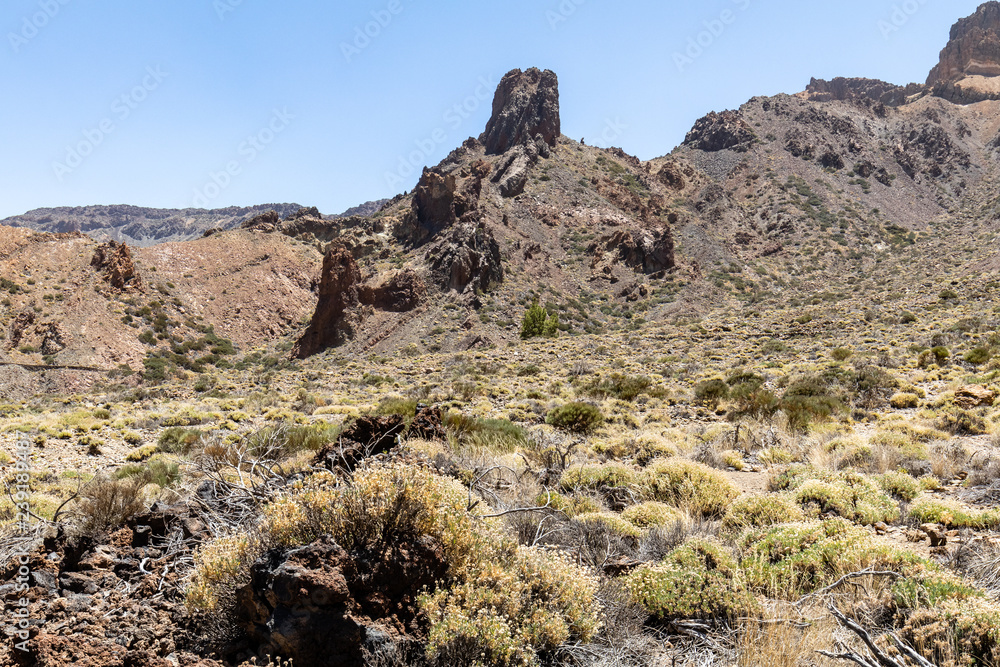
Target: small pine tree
533,324
551,328
537,323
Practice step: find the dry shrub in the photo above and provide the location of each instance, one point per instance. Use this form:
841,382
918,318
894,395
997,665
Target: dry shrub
105,504
947,459
956,633
780,643
510,612
651,515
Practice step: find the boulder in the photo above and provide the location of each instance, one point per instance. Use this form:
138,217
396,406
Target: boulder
269,221
526,104
974,396
721,131
114,260
320,606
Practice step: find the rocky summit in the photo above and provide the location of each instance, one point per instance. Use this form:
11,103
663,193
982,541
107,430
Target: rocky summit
970,63
556,405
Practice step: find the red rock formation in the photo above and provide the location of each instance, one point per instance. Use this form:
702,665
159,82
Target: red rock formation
526,104
974,47
115,260
341,295
400,292
854,89
721,131
333,322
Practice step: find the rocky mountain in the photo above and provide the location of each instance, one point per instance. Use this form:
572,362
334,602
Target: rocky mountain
144,227
854,186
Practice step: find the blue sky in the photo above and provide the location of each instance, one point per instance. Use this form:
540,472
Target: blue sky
238,102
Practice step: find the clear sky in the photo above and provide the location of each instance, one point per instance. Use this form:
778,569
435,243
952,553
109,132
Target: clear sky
238,102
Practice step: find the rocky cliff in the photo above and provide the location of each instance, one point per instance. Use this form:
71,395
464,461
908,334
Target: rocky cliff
970,63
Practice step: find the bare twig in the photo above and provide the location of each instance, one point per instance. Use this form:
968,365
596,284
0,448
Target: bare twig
845,579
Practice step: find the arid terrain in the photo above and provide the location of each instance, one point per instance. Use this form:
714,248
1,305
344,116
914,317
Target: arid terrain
736,405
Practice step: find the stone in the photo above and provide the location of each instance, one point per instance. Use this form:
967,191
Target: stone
937,536
397,292
721,131
974,396
526,104
114,260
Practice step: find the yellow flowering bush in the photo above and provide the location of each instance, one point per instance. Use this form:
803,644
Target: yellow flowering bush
509,613
699,580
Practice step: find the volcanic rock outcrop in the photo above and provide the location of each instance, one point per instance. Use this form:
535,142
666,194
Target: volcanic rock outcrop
526,104
720,131
115,261
335,317
970,63
859,89
320,605
343,295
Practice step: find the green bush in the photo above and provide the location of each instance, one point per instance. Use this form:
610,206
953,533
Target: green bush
623,387
156,471
611,522
179,440
962,422
689,485
757,511
699,580
841,354
495,435
899,484
979,356
904,401
576,418
600,477
287,440
537,323
951,514
711,391
651,515
788,561
850,495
